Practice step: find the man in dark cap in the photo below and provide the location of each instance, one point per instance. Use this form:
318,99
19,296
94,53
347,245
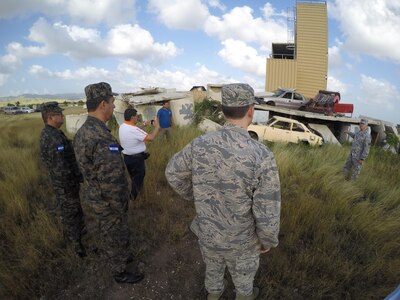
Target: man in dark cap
234,183
359,151
107,189
57,153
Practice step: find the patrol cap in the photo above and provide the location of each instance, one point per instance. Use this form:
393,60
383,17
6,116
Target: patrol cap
364,121
51,107
237,95
98,91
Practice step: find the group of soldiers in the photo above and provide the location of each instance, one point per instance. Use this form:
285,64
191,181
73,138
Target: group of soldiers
232,179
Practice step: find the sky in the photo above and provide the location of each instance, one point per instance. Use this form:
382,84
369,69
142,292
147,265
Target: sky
60,46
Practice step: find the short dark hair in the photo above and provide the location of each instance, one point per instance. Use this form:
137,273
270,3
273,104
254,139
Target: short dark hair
93,104
235,113
129,113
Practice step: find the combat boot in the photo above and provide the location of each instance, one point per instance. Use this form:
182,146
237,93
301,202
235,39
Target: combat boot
215,296
256,292
128,277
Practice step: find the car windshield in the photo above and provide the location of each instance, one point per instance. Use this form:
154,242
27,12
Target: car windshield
278,93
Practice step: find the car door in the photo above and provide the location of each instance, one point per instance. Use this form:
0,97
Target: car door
278,131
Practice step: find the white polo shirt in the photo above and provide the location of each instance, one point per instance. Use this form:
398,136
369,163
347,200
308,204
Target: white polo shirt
132,138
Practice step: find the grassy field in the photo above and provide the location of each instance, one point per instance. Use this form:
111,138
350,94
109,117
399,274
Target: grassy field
339,239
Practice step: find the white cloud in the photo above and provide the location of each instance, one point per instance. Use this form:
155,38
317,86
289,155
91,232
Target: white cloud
381,92
79,74
3,79
89,11
369,27
135,42
238,55
334,55
216,4
177,14
240,24
336,85
85,43
135,75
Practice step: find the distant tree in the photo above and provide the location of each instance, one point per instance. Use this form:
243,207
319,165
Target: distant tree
10,104
17,103
65,103
80,102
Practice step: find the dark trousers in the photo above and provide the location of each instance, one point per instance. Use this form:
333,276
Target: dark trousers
136,168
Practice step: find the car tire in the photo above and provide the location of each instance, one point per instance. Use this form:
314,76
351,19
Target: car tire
272,103
253,135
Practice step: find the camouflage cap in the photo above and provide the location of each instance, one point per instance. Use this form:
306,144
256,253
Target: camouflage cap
51,107
364,121
98,91
237,95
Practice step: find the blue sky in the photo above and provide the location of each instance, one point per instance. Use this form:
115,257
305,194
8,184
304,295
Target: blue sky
49,46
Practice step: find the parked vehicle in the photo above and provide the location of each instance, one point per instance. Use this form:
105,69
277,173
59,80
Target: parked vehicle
280,129
26,110
11,110
284,97
327,102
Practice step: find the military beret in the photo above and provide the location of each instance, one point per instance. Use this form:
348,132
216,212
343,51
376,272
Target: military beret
237,95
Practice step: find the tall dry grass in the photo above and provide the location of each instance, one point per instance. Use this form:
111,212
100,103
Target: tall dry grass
339,239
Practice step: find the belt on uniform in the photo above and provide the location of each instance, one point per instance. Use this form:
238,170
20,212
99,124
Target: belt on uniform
135,155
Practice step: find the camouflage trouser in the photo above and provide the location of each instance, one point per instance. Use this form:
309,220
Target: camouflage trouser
111,220
70,212
242,267
352,168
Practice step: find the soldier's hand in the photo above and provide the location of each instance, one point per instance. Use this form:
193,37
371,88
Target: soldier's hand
264,250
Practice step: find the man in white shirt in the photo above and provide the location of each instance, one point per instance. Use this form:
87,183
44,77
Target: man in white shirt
132,140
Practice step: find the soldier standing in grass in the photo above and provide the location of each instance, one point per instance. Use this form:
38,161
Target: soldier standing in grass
359,151
107,188
58,155
234,183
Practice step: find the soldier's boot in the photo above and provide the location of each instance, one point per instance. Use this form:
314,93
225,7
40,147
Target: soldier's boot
256,292
215,296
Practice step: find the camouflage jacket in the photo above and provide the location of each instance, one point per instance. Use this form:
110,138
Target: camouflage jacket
58,156
100,160
360,145
235,186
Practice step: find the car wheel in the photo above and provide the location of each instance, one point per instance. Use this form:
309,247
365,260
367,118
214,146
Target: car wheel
272,103
253,135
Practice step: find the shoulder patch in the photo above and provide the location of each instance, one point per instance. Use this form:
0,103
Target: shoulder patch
60,148
113,148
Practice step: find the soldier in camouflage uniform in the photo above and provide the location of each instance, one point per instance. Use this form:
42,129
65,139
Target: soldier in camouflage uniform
107,190
59,158
234,183
359,151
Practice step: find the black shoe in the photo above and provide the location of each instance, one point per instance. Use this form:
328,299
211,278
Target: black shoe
128,277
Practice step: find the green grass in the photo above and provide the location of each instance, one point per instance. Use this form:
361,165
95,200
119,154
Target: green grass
338,240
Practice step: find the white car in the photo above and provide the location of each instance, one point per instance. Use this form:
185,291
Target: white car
283,97
11,110
280,129
26,110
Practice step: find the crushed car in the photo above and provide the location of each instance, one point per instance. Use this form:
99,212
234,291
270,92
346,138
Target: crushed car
280,129
282,97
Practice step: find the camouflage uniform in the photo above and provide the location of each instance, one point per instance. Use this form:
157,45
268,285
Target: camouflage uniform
359,151
234,183
58,156
107,189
